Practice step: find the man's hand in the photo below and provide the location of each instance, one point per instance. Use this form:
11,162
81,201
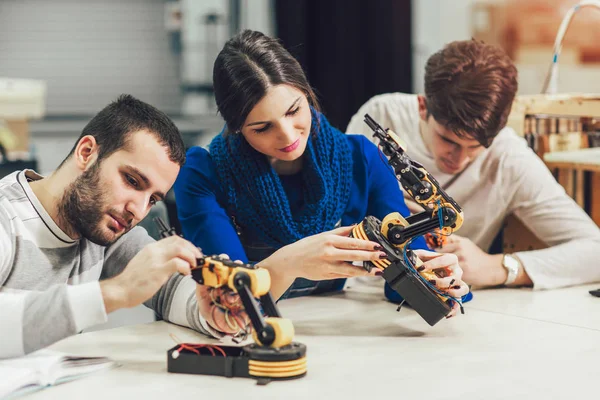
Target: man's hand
222,309
479,268
148,271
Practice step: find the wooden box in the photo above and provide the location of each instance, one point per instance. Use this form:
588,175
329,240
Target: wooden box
20,101
555,124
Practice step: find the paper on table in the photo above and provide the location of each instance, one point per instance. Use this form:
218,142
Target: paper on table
45,368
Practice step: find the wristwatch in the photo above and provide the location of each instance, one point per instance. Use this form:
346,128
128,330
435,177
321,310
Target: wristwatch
512,265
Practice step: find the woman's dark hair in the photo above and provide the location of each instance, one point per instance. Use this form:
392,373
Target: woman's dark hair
249,64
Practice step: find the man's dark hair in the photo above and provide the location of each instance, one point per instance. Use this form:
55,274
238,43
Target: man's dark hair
469,88
112,127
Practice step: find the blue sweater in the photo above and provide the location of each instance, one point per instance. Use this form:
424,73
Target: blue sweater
205,222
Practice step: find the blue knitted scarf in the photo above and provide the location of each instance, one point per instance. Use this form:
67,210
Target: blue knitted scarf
255,195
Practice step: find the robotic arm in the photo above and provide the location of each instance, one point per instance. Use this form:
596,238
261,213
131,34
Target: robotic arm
441,212
274,356
441,215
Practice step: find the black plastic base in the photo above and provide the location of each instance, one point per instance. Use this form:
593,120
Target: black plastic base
291,352
404,280
235,363
424,301
187,362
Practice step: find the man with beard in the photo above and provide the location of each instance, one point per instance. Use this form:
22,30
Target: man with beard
61,234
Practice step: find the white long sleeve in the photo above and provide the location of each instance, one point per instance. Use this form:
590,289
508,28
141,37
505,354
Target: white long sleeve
506,178
534,196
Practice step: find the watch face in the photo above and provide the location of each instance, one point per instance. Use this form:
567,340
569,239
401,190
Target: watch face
512,266
510,262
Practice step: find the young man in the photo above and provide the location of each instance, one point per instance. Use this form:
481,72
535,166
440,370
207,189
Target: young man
457,131
60,234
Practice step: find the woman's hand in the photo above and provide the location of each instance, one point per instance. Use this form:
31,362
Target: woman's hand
327,255
449,273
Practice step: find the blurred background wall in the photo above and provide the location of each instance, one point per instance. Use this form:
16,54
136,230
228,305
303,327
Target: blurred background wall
87,52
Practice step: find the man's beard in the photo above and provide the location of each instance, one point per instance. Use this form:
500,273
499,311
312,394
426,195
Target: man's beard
81,208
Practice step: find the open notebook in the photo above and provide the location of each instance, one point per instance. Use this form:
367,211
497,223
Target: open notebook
45,368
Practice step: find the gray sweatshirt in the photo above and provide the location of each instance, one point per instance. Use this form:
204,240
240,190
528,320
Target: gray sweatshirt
49,283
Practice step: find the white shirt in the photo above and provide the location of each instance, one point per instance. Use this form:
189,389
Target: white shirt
507,178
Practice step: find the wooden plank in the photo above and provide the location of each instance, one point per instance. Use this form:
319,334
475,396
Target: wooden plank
571,104
581,156
517,237
595,198
20,131
565,178
572,165
580,187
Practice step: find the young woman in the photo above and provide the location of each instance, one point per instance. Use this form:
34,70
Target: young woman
279,179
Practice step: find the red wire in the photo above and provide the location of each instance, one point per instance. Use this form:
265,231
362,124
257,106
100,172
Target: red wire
194,348
187,347
221,350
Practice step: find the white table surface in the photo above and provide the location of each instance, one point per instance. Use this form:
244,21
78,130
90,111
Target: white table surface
572,306
515,344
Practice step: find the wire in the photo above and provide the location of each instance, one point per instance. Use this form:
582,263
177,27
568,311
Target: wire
425,281
195,348
440,211
551,81
231,309
386,162
406,260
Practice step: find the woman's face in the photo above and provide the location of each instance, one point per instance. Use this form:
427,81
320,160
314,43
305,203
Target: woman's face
279,125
